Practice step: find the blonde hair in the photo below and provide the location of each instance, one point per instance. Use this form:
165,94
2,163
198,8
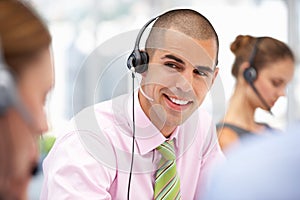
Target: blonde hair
22,33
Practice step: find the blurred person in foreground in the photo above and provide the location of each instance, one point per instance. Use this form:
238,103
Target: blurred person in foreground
26,77
262,169
263,67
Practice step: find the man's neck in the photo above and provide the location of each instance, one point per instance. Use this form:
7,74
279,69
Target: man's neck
156,115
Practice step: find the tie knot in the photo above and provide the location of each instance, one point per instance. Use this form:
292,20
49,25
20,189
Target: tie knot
167,150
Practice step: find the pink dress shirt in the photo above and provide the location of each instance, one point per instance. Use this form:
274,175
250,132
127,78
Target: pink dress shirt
91,160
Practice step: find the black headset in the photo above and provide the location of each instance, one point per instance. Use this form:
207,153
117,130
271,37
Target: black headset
7,88
9,97
250,75
138,60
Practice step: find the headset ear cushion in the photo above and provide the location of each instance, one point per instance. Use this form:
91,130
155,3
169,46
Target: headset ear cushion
143,64
138,60
7,90
9,95
144,57
250,74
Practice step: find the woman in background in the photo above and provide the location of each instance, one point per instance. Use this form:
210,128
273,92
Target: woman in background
26,76
263,67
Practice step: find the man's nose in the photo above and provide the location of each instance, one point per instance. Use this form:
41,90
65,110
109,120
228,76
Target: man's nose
185,80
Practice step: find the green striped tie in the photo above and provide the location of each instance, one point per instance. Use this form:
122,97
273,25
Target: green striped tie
167,183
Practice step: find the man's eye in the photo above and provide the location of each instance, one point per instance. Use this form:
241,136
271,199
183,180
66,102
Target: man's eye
171,65
200,73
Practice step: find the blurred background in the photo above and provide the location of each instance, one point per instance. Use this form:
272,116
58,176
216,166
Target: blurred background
92,39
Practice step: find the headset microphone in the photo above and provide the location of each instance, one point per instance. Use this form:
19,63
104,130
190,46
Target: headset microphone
250,75
261,98
145,95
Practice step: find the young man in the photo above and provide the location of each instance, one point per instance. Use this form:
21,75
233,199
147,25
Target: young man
94,159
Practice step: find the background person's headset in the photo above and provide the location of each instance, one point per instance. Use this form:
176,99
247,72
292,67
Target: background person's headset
250,74
9,95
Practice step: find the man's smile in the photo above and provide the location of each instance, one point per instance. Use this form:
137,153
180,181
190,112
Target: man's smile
177,103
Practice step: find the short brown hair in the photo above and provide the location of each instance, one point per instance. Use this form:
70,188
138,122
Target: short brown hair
186,21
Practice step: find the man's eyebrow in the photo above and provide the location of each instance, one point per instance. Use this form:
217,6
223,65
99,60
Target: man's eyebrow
204,68
199,68
174,58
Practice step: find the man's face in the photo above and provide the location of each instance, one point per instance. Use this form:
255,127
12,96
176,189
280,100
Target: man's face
179,75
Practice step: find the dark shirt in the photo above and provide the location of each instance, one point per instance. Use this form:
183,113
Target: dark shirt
240,131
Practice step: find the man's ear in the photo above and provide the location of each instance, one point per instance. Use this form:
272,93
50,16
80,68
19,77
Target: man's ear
216,72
